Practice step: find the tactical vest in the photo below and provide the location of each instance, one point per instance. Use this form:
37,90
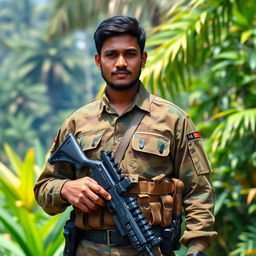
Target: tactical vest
158,198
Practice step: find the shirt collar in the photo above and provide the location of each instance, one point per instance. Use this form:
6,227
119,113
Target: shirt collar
141,101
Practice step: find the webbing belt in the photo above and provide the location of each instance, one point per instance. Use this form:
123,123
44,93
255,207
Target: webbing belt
110,237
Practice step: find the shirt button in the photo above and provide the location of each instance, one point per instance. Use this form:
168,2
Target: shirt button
94,142
161,149
142,143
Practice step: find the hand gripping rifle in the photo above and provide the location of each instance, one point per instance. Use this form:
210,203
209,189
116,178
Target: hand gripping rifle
128,217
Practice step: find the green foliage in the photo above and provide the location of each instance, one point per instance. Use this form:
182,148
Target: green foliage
247,244
21,107
204,51
70,15
27,230
182,43
57,64
36,77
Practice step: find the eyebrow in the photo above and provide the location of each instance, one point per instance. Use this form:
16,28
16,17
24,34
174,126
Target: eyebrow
127,50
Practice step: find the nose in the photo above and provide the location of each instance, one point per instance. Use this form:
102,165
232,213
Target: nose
121,62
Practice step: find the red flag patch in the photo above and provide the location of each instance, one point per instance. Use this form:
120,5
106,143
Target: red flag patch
55,139
193,136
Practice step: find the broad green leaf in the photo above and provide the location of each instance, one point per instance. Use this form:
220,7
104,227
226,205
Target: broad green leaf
40,153
11,246
27,180
245,35
8,177
14,159
220,201
29,224
224,113
231,55
14,230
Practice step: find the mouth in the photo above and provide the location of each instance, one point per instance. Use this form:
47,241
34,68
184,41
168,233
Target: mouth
121,71
121,74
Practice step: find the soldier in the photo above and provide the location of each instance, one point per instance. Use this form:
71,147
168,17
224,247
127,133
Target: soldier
165,145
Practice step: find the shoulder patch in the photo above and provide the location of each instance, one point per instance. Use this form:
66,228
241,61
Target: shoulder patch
193,136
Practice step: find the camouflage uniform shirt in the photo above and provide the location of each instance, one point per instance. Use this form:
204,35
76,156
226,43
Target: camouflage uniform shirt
167,149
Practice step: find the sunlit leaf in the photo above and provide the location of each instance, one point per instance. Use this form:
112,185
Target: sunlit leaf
251,195
9,245
27,180
14,159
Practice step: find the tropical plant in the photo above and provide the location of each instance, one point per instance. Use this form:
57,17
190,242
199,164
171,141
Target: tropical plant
22,109
57,64
26,228
204,51
71,15
36,76
247,243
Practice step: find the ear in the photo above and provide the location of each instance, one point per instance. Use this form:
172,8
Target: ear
144,59
97,61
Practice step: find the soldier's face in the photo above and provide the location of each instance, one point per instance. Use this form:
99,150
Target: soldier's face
121,61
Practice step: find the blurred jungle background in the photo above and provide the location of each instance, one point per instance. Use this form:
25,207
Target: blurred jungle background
202,56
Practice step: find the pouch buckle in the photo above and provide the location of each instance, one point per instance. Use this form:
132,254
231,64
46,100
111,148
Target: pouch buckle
109,236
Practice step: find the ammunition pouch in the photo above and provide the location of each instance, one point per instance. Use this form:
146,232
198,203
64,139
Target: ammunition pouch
155,199
160,201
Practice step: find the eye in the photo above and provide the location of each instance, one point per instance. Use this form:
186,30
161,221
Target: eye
131,54
111,55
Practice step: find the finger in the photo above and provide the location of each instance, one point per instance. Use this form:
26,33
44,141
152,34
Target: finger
100,190
90,180
83,208
89,204
95,198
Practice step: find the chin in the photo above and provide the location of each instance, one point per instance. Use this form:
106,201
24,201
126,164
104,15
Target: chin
123,86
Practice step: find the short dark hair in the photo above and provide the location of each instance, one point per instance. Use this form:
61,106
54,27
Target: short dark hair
119,25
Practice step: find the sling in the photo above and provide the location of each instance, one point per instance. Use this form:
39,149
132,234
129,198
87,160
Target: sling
119,154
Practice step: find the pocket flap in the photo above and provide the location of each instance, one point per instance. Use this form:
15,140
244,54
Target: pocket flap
89,141
151,143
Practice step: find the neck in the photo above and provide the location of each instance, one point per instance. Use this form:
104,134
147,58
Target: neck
121,100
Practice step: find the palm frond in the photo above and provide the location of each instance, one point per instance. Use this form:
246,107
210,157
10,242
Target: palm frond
70,15
240,123
247,244
184,41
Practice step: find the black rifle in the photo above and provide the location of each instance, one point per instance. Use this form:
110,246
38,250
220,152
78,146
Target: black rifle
128,216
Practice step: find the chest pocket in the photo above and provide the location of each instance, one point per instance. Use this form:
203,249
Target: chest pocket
151,143
150,154
89,141
91,144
